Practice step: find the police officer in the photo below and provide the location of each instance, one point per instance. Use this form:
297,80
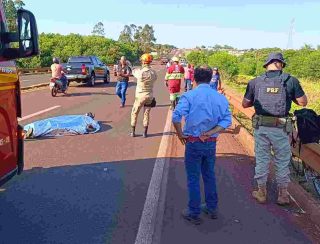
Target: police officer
146,78
271,95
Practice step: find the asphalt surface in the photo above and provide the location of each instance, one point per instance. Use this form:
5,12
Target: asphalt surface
83,189
31,80
240,218
92,188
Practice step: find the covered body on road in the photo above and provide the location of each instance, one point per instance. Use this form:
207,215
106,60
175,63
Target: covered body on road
62,125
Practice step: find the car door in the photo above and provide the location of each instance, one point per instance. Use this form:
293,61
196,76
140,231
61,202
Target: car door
103,67
98,67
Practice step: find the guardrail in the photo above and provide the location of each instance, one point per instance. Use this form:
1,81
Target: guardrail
34,70
45,70
310,153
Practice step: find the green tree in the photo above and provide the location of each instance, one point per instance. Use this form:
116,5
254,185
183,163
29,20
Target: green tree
98,29
197,58
19,4
126,34
11,14
144,36
248,66
227,63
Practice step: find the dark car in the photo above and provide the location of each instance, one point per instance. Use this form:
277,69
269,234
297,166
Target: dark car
86,69
164,60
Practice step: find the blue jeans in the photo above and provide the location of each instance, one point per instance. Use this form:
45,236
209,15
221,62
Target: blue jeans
214,85
121,90
64,81
200,158
187,85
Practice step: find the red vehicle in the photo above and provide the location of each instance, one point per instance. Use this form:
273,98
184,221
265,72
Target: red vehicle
25,41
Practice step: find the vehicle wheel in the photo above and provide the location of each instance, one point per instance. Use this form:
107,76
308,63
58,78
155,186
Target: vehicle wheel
54,91
92,80
107,79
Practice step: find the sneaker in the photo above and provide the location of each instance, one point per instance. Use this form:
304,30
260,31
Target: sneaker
29,133
192,219
210,213
121,105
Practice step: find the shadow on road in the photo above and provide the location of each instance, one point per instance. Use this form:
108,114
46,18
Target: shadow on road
240,219
103,202
90,203
104,126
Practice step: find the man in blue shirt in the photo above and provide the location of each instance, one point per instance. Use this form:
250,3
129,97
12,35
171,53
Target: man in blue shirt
206,113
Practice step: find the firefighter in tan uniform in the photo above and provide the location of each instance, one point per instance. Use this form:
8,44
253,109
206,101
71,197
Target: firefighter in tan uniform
146,78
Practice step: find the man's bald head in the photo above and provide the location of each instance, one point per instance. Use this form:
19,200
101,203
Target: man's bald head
123,60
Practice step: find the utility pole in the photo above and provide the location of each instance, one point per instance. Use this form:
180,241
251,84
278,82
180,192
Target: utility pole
290,35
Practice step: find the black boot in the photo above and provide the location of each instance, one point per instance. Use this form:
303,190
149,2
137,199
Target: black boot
133,131
145,133
177,100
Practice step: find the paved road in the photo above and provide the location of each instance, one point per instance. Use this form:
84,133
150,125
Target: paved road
30,80
92,188
83,189
241,219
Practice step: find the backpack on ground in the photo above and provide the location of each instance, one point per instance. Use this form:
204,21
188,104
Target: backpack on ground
308,125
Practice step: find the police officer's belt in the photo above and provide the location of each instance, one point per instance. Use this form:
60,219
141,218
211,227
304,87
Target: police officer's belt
269,121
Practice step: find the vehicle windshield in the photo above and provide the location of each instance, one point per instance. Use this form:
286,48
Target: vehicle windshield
79,60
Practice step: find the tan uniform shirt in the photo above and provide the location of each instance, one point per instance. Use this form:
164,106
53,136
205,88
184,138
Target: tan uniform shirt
146,78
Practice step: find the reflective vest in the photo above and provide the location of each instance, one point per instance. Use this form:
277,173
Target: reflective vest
174,73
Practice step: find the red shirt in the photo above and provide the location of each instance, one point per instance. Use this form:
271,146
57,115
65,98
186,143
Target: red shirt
174,75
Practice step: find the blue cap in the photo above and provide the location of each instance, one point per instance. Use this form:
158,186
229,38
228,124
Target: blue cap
274,56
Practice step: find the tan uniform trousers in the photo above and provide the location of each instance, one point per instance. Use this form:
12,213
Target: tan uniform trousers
138,104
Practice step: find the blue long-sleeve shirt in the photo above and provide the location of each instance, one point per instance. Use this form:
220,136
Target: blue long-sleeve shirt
203,109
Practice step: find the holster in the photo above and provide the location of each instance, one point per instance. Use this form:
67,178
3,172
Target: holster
260,120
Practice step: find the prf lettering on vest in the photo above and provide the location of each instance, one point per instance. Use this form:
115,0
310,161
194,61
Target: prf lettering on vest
272,90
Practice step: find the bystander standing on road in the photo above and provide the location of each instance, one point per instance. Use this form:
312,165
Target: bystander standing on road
271,95
123,74
146,78
188,77
174,75
215,82
206,114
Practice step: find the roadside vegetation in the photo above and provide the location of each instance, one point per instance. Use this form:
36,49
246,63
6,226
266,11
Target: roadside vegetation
236,71
133,41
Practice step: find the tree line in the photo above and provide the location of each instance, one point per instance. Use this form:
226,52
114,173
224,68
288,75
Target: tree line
108,50
303,63
133,41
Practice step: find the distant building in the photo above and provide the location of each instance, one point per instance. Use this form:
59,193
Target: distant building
154,54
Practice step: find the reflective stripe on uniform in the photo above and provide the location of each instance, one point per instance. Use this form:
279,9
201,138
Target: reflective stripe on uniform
174,76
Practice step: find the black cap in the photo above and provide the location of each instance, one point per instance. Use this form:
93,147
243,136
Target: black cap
274,56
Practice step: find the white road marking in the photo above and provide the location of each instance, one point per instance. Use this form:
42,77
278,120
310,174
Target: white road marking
153,209
38,113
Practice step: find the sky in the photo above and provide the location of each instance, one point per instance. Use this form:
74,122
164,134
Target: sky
242,24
